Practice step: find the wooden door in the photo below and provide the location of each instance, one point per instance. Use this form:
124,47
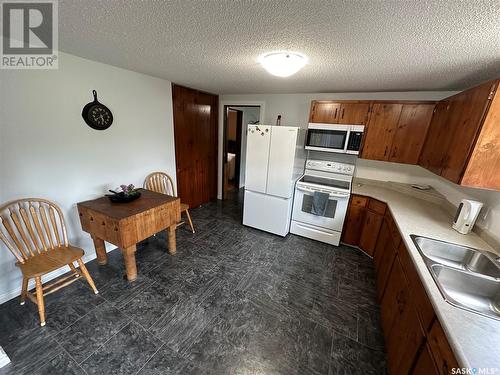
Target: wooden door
353,225
326,112
425,364
381,128
465,122
195,132
411,132
371,229
438,138
354,113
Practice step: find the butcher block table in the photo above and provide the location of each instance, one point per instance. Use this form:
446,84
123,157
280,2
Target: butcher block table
126,224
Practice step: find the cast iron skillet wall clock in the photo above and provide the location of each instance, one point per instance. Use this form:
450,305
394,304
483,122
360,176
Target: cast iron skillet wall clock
97,115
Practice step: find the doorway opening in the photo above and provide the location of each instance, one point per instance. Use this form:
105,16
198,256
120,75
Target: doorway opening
236,119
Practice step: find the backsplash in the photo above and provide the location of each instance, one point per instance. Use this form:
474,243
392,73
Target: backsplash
488,223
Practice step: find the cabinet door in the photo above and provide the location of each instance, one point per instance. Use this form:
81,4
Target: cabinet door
411,132
465,121
484,164
371,229
438,139
325,112
354,113
380,132
425,363
354,221
405,335
384,258
419,295
441,350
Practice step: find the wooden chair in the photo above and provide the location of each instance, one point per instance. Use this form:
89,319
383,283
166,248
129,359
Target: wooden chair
34,231
163,183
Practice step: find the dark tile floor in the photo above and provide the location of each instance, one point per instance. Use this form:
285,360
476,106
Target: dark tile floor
233,300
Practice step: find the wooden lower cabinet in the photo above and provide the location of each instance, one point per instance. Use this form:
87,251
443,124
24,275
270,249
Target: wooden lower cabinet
363,222
385,252
425,364
441,350
370,232
402,330
418,293
414,339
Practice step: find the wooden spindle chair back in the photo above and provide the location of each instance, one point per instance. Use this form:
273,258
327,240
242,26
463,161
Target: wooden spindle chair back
34,231
160,182
32,226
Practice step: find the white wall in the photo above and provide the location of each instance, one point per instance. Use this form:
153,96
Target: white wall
47,150
294,111
250,114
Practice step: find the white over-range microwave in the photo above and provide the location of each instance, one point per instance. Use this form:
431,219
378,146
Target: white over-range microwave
340,138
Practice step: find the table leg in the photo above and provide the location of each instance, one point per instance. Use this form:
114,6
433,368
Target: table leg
130,266
172,247
100,250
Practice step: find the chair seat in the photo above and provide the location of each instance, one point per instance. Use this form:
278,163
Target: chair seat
184,207
50,260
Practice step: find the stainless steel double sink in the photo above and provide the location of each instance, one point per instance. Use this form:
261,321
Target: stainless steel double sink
467,278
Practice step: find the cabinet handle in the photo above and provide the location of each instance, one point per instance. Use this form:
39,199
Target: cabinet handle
385,151
335,115
343,109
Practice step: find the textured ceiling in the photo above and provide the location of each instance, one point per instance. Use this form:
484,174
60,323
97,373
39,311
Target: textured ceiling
357,46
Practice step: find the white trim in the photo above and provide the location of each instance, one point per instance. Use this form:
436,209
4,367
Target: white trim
236,103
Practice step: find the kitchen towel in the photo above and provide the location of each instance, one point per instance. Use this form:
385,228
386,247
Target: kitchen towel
319,203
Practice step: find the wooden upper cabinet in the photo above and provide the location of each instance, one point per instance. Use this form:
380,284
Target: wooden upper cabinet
465,122
484,164
463,141
326,112
438,139
411,132
354,113
381,129
330,112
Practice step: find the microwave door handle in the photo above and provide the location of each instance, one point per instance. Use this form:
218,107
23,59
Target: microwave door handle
348,135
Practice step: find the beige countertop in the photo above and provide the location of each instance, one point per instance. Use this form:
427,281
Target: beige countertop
475,339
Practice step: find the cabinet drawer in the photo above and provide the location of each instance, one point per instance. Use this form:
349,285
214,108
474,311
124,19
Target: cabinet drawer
359,200
377,206
441,350
424,307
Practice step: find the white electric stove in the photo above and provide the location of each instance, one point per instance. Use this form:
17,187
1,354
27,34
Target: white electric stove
327,182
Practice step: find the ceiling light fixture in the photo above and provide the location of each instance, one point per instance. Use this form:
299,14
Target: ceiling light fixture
283,64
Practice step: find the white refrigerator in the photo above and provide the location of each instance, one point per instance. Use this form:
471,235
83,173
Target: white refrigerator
274,161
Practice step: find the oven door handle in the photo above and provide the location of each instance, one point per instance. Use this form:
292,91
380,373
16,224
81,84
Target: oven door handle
331,194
